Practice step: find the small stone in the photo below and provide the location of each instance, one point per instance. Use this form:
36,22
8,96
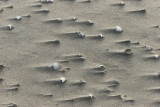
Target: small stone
116,82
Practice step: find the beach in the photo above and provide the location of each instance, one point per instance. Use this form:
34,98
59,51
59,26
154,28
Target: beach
73,53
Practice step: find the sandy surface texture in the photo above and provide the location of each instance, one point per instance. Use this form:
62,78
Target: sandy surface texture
79,53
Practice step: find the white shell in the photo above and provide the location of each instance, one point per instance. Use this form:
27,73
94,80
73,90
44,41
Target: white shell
80,55
74,18
46,10
56,66
49,1
100,35
18,17
101,66
122,3
59,19
156,56
63,79
90,22
10,26
90,95
118,29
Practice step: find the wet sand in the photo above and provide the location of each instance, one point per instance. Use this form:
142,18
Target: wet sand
87,51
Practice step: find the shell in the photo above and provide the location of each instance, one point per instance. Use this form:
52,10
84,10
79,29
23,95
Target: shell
142,10
56,66
77,32
1,79
49,1
46,10
122,3
128,51
116,82
101,66
10,26
74,18
18,18
159,74
63,79
156,56
90,22
81,35
101,36
90,95
82,81
57,41
149,48
59,20
118,29
12,105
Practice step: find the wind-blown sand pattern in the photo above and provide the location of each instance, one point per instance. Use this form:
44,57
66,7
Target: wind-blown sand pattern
79,53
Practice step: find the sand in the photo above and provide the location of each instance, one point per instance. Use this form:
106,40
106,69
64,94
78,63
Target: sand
96,72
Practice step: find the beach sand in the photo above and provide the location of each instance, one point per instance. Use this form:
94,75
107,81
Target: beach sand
91,65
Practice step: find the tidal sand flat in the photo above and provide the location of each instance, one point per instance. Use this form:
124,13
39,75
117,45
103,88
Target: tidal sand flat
79,53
